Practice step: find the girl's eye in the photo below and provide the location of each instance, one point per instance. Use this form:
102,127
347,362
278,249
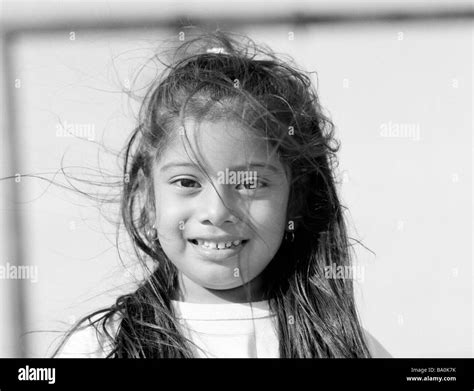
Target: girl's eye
185,182
253,184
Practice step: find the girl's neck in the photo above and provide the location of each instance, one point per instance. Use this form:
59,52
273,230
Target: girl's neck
193,293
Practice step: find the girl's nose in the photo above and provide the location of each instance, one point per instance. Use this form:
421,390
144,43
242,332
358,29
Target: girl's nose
216,205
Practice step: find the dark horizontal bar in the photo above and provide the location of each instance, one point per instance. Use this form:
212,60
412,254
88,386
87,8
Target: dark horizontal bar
298,19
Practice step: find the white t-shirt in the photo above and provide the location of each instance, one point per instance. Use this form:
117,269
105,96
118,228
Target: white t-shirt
229,330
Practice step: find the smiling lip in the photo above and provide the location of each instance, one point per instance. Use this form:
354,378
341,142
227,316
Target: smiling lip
218,254
219,239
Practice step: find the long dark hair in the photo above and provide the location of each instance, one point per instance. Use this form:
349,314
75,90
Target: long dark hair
222,75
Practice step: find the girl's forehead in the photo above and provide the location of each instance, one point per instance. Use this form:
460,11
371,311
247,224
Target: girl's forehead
218,143
223,131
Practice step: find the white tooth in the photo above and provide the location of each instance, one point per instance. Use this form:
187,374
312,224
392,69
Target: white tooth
219,246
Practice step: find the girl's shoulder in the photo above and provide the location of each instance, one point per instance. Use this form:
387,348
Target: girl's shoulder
375,347
90,341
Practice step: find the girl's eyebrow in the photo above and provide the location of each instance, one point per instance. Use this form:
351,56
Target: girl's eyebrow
235,168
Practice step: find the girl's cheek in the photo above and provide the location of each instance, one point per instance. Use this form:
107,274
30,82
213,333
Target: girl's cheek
173,218
270,218
169,221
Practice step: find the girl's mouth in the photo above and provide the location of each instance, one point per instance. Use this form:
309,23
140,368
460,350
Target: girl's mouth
221,246
217,252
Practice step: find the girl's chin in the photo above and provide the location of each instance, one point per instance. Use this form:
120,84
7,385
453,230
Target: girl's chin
208,284
216,277
218,281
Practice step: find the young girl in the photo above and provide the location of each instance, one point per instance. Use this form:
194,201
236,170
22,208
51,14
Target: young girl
229,191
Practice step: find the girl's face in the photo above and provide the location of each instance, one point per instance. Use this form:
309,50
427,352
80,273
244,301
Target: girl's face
189,210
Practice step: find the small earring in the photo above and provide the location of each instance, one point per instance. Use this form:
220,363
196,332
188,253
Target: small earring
152,233
292,237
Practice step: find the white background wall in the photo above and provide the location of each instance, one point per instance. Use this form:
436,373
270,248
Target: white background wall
410,198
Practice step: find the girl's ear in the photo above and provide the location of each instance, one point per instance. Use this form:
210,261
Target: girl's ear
152,216
150,205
